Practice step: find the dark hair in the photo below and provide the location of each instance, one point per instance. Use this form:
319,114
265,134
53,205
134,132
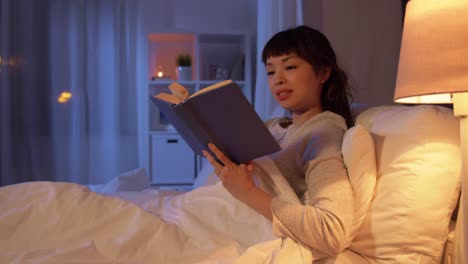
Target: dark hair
314,47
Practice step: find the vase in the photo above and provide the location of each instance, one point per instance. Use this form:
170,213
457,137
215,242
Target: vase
184,73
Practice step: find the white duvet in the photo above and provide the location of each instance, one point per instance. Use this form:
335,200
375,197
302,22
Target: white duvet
45,222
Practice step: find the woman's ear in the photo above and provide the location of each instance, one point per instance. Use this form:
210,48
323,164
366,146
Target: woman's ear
325,75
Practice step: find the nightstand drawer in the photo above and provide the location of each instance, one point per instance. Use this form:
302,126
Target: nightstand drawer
172,160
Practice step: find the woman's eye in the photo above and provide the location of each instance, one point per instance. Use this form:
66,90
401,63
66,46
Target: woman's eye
290,67
270,73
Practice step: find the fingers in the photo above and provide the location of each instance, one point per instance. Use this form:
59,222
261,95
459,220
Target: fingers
250,167
223,164
220,155
217,167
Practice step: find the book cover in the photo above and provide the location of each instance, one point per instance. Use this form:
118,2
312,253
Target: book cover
218,114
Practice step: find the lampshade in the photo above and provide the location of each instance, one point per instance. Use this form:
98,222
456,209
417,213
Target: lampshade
434,52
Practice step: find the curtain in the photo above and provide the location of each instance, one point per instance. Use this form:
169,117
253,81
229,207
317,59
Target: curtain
24,92
273,16
68,89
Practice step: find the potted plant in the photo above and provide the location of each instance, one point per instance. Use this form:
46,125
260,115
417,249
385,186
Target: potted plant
184,66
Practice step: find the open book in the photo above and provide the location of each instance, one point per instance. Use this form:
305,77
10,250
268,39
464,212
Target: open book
218,114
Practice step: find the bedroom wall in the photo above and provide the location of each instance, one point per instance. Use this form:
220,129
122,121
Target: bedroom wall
366,36
200,15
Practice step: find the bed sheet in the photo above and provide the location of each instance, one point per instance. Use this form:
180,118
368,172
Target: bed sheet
44,222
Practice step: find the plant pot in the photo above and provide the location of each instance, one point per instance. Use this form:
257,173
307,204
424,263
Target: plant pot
184,73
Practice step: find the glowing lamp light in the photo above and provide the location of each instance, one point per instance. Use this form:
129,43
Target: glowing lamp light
64,97
10,62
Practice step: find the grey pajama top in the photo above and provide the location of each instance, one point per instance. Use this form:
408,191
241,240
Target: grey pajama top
312,163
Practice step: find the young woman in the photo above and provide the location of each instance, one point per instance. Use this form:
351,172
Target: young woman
305,79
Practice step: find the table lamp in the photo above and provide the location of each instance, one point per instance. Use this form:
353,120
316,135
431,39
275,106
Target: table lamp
433,69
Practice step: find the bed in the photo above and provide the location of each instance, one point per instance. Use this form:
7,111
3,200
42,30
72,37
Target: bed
403,163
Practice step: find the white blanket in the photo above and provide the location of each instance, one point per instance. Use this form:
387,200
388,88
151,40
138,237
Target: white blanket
45,222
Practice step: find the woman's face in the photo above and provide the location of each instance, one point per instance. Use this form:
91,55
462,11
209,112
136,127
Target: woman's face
294,83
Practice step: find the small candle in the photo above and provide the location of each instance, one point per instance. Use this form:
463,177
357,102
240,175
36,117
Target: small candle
160,73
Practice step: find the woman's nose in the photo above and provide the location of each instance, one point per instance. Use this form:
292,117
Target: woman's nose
279,79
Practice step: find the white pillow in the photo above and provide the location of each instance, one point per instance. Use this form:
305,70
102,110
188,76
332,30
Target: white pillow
418,183
359,157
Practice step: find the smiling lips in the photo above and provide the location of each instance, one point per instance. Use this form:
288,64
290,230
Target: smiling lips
283,94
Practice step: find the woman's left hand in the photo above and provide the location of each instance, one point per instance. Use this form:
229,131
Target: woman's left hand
237,179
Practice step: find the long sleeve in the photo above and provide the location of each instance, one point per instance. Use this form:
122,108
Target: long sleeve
324,219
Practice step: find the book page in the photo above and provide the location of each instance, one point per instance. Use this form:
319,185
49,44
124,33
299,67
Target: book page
168,98
178,91
211,87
